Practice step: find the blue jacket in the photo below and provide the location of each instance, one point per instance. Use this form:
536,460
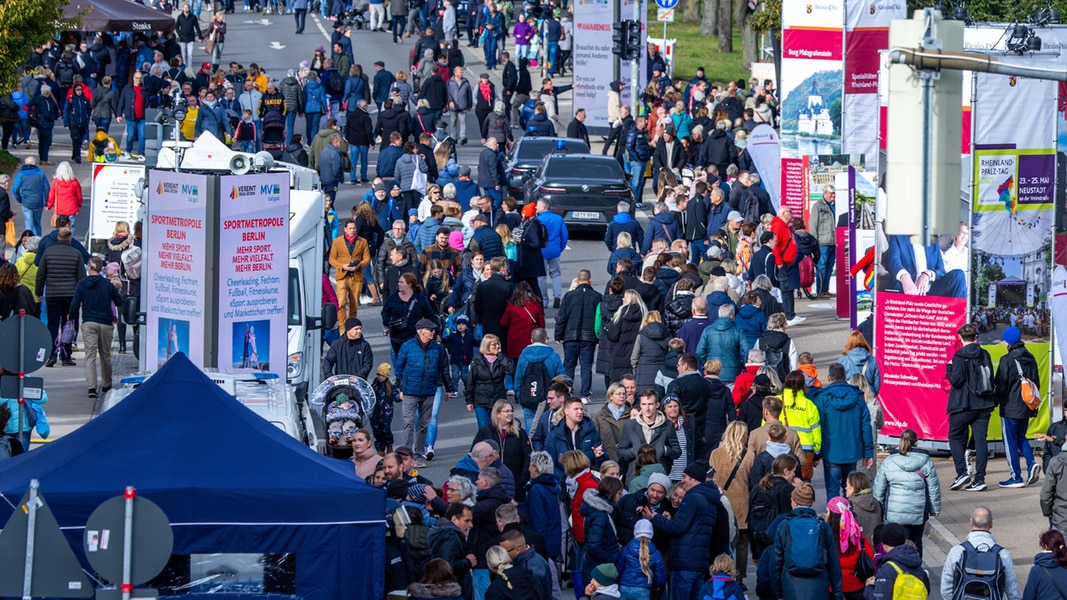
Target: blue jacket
691,529
722,586
93,298
420,372
623,222
538,353
790,587
716,300
692,330
722,340
460,347
858,360
426,235
908,560
465,190
842,412
489,242
629,253
355,88
387,161
637,145
717,215
559,441
542,507
31,189
463,287
662,227
601,539
557,234
315,98
629,566
540,125
1038,585
752,322
77,112
383,82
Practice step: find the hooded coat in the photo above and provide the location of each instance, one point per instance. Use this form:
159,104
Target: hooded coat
648,354
908,560
752,322
859,360
1007,390
907,487
542,506
1048,582
623,334
486,382
722,340
692,529
867,510
601,533
843,413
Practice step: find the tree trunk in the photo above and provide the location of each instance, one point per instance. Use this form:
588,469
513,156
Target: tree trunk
726,25
690,10
710,19
749,41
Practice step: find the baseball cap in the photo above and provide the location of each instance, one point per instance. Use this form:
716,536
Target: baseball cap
735,216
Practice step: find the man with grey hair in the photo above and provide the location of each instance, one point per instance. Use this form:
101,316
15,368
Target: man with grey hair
722,340
692,330
31,189
979,542
460,102
485,534
395,237
756,359
292,92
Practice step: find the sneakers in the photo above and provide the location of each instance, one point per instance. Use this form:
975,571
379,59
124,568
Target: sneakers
1035,472
454,395
555,303
960,481
977,486
92,392
585,401
69,363
1014,482
51,362
420,462
968,457
795,321
429,453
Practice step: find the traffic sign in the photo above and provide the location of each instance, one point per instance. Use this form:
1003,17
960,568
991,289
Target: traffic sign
35,350
666,3
665,15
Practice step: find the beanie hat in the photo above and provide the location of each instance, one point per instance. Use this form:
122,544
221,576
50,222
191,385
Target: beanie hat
529,210
417,493
893,535
661,479
696,471
803,495
605,574
1012,335
643,528
352,322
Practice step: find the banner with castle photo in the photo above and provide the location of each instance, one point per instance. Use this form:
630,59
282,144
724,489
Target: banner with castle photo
1013,193
812,76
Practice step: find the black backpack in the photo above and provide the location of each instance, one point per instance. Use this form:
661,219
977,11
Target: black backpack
335,85
979,376
65,72
534,388
775,346
762,510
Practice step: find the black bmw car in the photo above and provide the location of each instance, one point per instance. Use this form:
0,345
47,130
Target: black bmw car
584,188
527,154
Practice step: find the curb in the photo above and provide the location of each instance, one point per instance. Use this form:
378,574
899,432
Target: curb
940,535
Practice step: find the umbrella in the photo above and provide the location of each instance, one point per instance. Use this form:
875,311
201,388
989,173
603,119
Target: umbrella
117,15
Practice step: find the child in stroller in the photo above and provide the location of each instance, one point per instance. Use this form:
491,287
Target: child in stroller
274,134
343,416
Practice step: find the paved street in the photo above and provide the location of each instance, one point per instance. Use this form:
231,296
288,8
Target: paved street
250,39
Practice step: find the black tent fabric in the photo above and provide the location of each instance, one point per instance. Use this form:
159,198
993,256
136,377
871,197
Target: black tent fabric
228,480
117,15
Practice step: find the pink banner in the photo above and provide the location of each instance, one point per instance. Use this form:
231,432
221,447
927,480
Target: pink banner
861,66
793,184
840,284
814,44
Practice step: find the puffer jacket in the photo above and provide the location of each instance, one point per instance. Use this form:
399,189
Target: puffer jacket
859,360
1049,581
576,319
405,170
629,566
793,587
390,120
661,436
678,311
908,488
314,97
609,303
542,506
648,353
426,591
487,381
293,94
62,267
692,529
752,322
722,340
908,560
623,334
842,412
601,535
1009,395
65,197
420,372
559,441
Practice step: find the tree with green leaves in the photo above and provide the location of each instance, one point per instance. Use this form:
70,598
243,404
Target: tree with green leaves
25,25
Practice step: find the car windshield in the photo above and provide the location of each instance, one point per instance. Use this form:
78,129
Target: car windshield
537,149
584,169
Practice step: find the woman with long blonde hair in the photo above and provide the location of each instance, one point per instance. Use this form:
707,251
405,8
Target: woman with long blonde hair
732,463
622,331
641,566
507,432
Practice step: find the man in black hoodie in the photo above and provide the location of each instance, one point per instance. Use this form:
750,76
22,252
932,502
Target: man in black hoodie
350,355
94,298
1014,413
448,541
970,402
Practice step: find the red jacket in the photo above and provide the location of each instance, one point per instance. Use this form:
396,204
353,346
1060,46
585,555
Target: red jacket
586,481
65,197
743,383
849,582
785,249
520,321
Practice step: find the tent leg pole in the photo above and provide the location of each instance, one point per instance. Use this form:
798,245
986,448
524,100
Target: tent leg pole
31,534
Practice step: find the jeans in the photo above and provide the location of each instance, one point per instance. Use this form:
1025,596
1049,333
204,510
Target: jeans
187,51
825,267
104,124
399,22
490,51
44,139
552,268
528,417
73,218
498,198
978,423
358,156
553,56
290,125
685,585
300,16
311,123
431,429
97,340
32,219
637,178
573,352
697,248
459,132
1015,442
482,415
635,593
422,408
460,373
377,15
480,581
788,304
836,474
196,7
248,146
135,128
216,55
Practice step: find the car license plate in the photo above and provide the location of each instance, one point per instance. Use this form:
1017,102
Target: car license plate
590,216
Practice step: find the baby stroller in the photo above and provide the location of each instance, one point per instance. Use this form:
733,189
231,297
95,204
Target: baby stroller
274,134
357,16
345,404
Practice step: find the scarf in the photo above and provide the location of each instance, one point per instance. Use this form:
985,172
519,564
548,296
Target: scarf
489,358
650,430
484,88
572,483
849,533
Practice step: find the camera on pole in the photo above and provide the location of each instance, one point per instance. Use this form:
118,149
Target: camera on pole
618,37
633,40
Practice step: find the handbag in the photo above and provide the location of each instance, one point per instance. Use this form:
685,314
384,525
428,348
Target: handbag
418,179
398,325
10,236
209,43
864,564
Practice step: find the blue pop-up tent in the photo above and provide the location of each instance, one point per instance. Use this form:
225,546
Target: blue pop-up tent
229,481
